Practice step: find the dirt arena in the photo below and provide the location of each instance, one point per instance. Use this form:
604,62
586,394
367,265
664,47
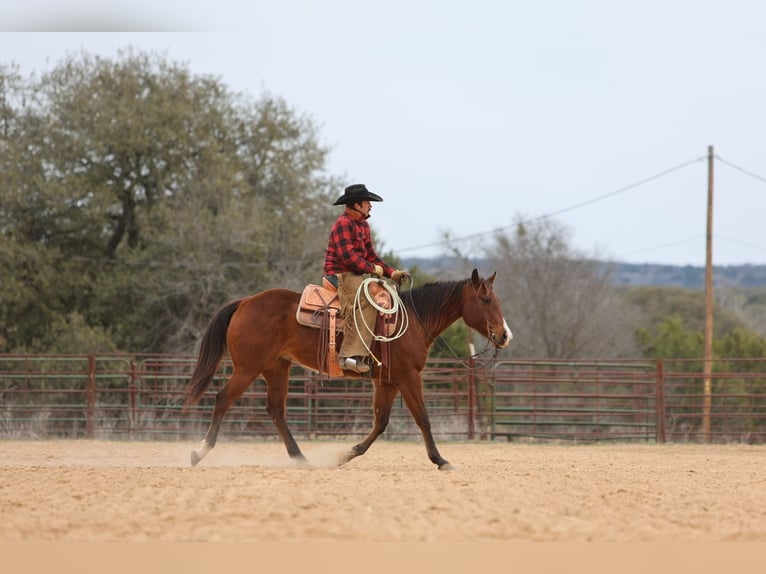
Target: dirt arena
146,491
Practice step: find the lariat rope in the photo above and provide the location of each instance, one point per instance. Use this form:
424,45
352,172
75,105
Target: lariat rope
397,308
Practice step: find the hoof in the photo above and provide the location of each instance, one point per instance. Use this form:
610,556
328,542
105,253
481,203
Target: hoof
344,458
446,466
300,460
195,458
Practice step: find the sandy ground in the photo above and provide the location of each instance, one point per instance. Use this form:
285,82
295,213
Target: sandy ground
146,491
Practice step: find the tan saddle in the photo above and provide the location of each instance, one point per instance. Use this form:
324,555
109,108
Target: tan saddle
319,307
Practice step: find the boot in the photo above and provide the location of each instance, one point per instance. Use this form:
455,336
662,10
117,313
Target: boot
355,364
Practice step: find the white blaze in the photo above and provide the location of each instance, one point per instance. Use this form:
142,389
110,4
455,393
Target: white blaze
508,334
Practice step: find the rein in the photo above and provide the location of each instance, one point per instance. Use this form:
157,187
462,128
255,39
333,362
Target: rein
462,360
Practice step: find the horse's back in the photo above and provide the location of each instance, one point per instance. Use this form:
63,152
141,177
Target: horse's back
276,304
263,323
274,294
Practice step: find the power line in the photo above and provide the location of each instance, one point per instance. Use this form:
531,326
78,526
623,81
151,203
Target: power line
695,238
564,210
740,242
622,189
743,170
663,246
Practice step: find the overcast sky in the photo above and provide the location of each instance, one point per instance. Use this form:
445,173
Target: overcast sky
465,115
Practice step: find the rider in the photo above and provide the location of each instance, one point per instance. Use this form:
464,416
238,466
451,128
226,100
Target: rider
350,256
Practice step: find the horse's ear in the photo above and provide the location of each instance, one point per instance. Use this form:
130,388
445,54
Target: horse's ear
491,280
475,279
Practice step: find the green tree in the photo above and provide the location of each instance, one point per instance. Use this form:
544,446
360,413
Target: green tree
28,294
740,343
154,196
655,304
671,340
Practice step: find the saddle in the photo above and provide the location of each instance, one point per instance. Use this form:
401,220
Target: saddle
319,307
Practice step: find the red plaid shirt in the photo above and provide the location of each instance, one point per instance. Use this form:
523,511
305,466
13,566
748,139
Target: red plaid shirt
350,248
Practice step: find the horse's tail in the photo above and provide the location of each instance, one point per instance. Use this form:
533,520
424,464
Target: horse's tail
211,351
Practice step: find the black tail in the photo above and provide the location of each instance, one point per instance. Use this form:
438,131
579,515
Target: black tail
211,351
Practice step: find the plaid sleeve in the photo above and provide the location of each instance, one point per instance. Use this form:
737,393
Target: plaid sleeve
372,255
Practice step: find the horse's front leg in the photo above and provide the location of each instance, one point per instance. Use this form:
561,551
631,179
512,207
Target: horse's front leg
412,392
383,398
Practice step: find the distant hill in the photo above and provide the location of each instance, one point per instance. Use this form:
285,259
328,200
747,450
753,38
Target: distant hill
634,274
690,277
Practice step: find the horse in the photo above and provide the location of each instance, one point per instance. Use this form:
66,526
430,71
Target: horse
263,338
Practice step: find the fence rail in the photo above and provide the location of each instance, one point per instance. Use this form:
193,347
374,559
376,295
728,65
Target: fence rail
119,396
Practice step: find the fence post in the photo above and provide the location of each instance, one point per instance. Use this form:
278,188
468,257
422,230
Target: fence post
132,398
660,400
471,394
90,398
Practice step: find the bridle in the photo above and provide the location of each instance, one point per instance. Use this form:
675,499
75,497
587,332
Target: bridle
491,335
462,360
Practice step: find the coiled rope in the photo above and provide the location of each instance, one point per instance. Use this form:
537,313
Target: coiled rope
397,308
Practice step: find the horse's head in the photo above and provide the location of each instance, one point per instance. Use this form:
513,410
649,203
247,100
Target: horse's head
481,311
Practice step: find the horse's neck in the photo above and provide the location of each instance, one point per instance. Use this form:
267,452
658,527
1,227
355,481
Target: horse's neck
440,323
436,323
436,306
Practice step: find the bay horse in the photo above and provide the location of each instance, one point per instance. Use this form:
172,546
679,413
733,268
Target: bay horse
263,338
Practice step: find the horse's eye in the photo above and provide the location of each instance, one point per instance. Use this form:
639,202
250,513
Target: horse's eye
485,300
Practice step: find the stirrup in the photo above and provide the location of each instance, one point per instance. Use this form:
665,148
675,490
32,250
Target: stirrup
353,364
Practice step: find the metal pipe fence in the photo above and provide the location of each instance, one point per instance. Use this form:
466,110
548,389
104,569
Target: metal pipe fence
576,400
141,397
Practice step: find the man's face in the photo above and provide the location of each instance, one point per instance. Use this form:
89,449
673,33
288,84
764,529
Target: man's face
365,207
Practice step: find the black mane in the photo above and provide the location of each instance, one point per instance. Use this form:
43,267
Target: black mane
429,300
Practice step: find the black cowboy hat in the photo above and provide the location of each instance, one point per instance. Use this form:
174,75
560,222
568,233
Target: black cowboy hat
357,193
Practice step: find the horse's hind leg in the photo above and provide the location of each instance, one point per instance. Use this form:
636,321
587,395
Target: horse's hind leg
277,379
233,389
382,400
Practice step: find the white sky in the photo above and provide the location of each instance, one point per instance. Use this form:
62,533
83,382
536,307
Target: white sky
463,115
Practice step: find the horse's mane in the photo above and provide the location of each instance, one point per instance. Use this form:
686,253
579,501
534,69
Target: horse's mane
428,302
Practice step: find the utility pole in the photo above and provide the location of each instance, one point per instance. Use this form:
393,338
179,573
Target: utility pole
707,398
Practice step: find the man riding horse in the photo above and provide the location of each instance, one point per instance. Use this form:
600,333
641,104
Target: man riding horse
349,258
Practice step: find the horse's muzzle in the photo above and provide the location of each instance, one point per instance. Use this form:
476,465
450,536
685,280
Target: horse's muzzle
502,341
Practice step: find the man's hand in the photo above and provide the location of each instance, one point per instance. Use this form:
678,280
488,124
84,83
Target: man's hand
378,272
399,276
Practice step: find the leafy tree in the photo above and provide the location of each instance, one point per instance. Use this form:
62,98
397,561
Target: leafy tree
740,343
70,334
655,304
671,321
28,294
671,340
682,347
154,195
